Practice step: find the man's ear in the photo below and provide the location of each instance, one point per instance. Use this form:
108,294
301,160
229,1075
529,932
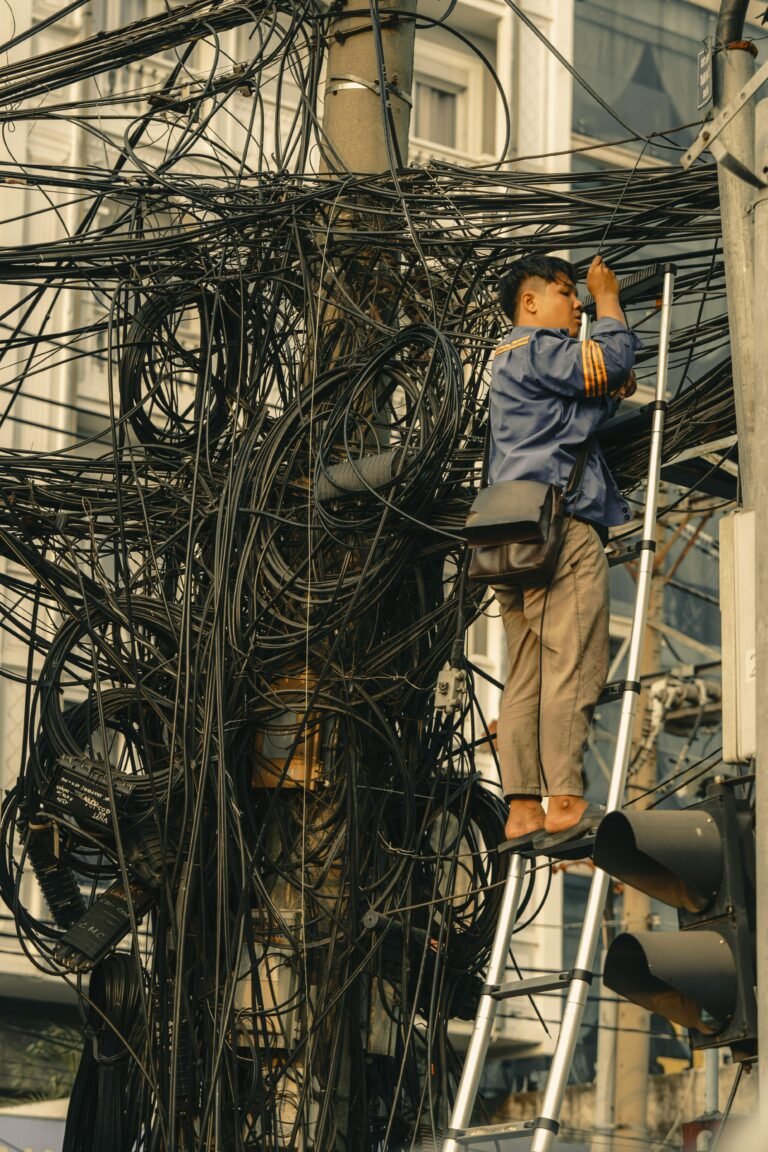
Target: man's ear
528,300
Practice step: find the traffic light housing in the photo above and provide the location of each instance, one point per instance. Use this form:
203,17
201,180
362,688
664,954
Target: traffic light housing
701,861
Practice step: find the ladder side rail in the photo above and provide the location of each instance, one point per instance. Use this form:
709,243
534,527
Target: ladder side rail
547,1123
486,1012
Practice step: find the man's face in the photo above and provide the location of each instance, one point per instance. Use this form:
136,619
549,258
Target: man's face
557,305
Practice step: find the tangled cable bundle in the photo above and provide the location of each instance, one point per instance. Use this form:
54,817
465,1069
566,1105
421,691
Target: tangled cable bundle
239,573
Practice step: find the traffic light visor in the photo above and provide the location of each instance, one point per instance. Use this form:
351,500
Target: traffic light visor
675,857
688,977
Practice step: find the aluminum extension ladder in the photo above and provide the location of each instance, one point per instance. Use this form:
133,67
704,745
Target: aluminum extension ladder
578,980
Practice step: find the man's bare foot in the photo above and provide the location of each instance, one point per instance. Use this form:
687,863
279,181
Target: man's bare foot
563,812
526,814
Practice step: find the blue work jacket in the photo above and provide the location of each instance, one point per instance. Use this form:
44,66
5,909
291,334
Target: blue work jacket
549,394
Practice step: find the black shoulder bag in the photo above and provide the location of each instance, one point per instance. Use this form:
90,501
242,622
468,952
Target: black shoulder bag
515,528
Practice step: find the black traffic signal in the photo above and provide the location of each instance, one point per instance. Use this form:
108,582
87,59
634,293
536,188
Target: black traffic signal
700,861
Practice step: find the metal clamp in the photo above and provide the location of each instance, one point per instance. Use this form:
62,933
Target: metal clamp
343,83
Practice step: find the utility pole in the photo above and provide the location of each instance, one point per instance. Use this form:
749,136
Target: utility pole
365,126
745,247
69,371
760,337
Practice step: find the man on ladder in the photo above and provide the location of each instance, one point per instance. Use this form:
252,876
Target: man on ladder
577,381
549,394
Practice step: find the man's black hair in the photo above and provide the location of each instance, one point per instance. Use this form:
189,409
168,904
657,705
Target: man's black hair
549,268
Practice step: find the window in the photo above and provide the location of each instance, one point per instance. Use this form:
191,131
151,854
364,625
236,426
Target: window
436,111
452,113
642,60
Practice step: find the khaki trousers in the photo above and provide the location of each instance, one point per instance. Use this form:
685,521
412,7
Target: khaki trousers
557,643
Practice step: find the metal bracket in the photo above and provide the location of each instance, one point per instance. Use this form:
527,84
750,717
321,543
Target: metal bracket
707,137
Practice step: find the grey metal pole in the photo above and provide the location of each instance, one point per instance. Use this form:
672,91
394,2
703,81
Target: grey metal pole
605,1078
547,1123
733,67
760,338
711,1081
486,1013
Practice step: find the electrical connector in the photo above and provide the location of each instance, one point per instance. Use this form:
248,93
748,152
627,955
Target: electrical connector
102,927
451,688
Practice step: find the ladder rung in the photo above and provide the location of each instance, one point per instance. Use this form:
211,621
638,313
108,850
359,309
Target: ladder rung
532,984
491,1132
635,286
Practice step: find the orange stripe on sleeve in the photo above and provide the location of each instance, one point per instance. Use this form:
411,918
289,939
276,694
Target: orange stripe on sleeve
508,347
602,371
595,372
596,382
586,366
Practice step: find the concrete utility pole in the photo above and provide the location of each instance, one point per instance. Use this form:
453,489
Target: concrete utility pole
607,1031
760,337
363,129
745,246
365,121
68,373
733,67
